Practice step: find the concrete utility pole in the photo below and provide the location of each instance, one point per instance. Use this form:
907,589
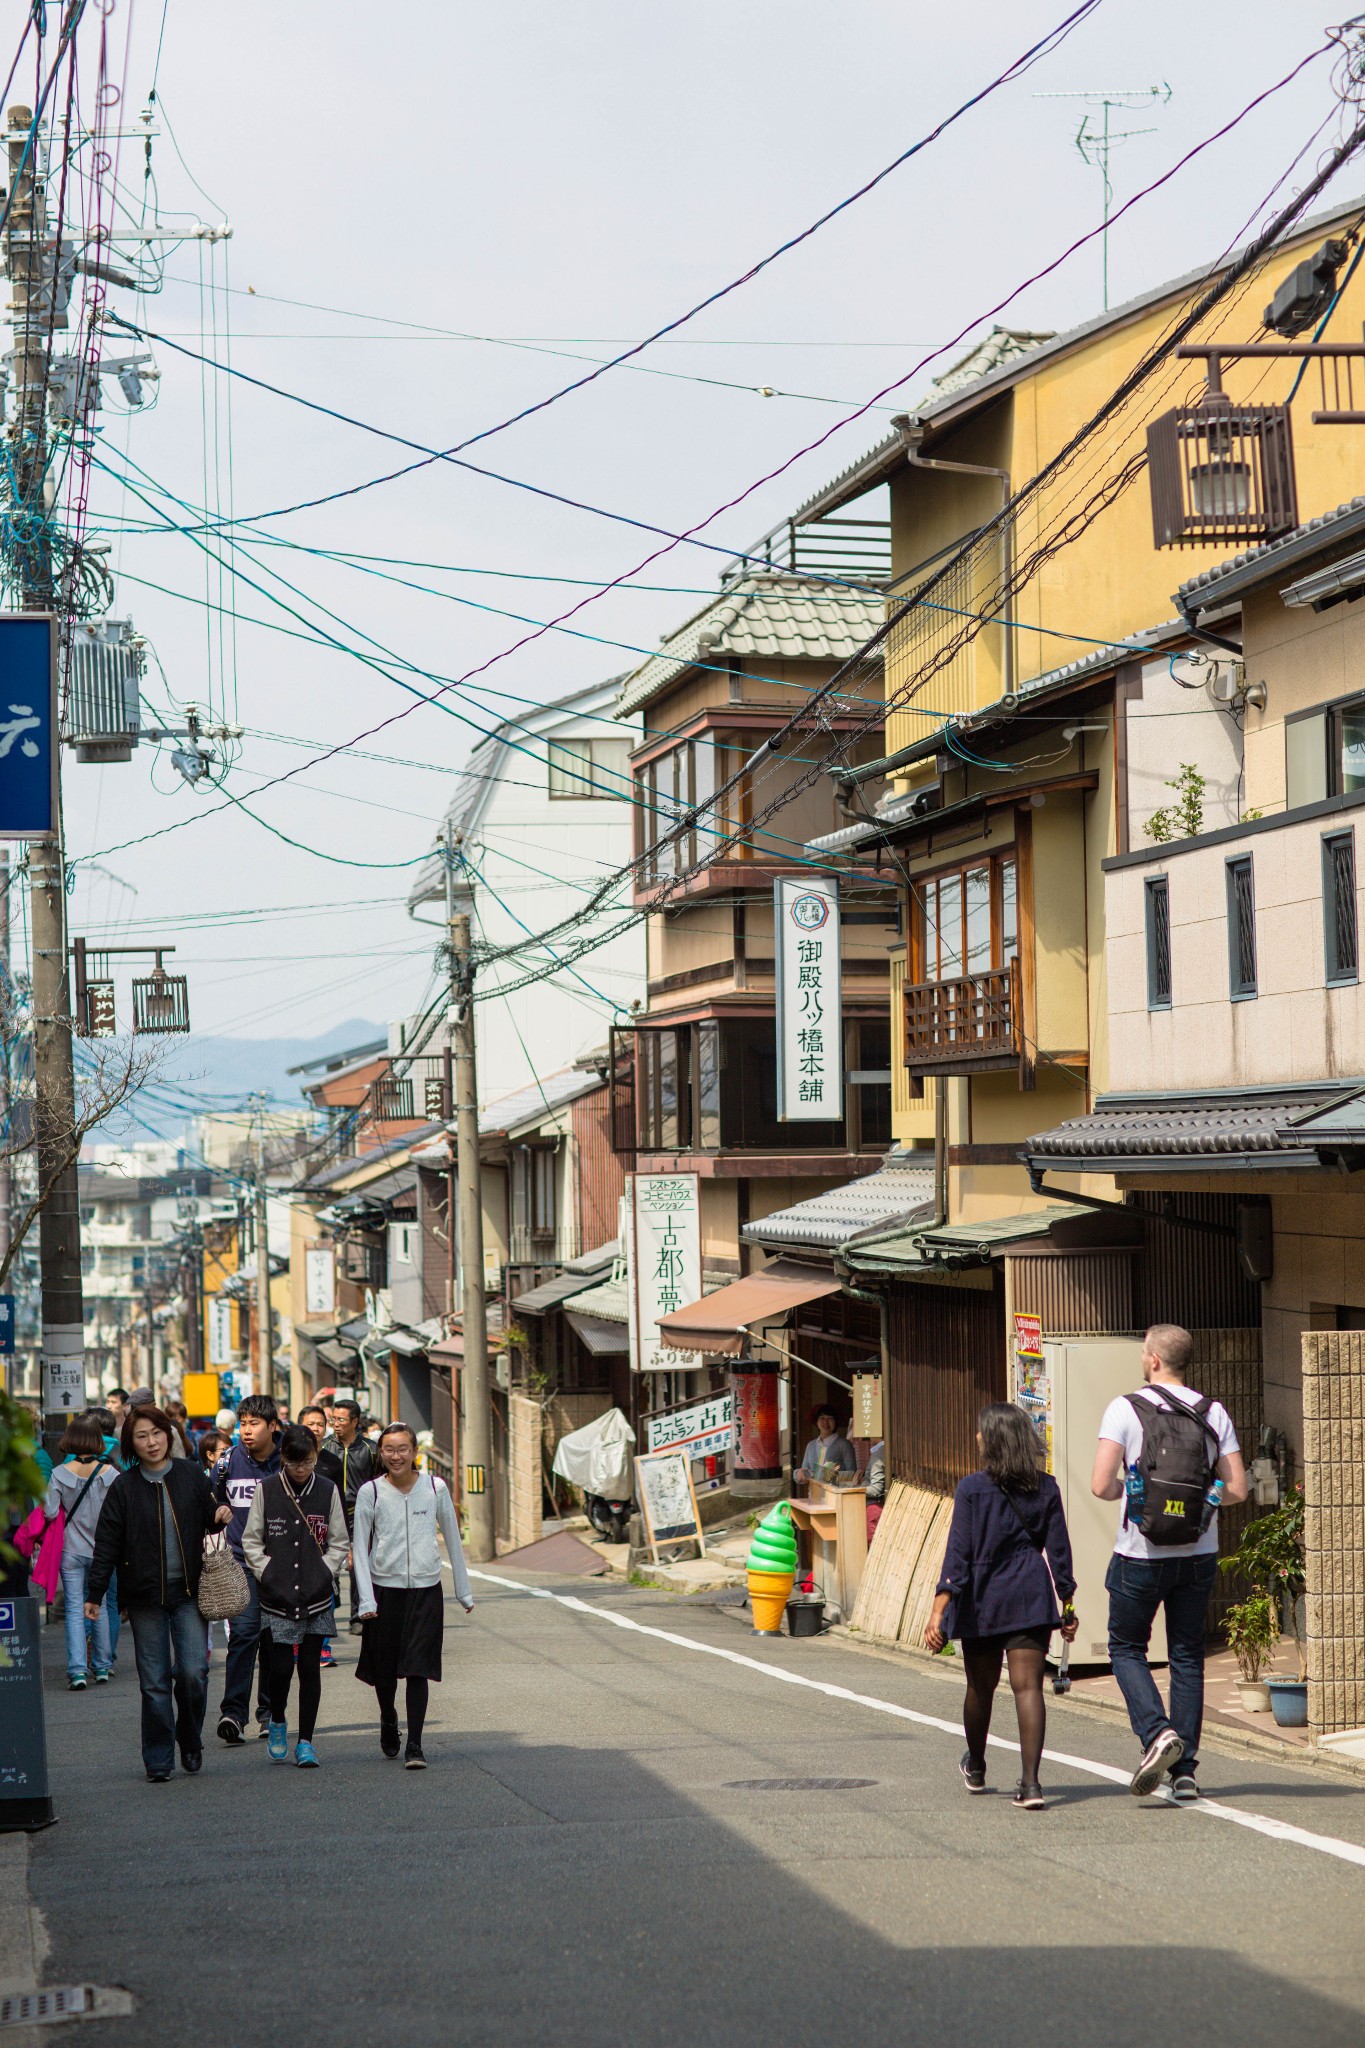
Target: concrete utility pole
478,1418
59,1241
265,1343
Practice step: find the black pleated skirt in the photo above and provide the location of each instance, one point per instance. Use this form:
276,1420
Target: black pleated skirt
404,1638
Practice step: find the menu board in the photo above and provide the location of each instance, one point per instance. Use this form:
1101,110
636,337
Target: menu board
663,1484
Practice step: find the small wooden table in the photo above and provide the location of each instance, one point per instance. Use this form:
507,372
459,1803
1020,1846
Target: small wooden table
836,1517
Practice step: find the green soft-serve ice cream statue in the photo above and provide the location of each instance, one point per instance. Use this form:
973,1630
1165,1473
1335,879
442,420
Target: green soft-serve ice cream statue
771,1567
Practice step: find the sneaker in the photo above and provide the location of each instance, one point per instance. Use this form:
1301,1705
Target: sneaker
277,1736
158,1777
230,1731
1028,1796
388,1738
973,1775
192,1761
76,1684
101,1678
262,1730
305,1756
1165,1749
327,1660
413,1759
356,1629
1184,1788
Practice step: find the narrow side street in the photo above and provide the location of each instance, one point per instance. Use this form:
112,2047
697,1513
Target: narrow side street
600,1851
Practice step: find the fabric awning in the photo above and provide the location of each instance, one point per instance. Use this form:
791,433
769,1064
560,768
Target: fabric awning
604,1339
720,1322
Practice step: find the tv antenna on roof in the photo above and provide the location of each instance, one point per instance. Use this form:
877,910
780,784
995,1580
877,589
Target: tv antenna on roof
1097,141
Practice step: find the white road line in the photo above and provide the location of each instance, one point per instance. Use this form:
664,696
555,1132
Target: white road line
1259,1823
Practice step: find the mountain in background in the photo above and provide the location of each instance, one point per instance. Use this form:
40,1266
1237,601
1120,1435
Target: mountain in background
203,1073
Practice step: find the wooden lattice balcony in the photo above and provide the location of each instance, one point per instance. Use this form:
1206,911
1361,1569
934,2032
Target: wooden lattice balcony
956,1027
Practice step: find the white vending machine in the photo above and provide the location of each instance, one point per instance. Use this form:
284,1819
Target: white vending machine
1066,1383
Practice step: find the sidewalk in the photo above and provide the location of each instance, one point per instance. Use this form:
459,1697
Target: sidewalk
1221,1702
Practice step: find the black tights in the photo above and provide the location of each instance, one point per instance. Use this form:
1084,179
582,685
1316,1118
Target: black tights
386,1692
310,1682
1026,1682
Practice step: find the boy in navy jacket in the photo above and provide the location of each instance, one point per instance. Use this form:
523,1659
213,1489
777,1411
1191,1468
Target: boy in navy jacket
236,1477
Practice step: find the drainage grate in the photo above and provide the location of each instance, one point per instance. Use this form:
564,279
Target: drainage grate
59,2002
798,1784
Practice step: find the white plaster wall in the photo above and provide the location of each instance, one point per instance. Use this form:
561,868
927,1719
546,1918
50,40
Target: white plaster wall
1169,725
1295,1029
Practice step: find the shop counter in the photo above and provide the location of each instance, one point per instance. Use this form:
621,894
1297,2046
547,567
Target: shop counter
836,1518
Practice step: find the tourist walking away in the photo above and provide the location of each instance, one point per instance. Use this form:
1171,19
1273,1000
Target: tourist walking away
151,1531
350,1461
1007,1582
235,1479
294,1543
1171,1456
76,1490
398,1572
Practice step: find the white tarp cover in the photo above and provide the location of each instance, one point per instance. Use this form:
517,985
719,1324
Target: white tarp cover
598,1457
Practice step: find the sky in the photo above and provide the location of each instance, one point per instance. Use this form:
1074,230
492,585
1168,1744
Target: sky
567,179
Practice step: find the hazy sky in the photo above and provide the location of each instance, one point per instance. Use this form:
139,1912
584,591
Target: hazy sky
567,177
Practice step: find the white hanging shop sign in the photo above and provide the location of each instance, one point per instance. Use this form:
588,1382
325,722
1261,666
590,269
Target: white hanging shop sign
810,1035
664,1253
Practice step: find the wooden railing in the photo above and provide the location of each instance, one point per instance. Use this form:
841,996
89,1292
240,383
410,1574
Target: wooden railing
959,1024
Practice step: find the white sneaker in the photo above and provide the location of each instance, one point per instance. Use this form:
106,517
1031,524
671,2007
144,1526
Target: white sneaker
1165,1749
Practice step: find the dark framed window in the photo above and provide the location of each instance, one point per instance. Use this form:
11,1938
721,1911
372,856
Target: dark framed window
1324,752
1340,925
1158,943
1241,929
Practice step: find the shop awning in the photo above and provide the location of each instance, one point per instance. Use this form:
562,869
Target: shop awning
604,1339
1225,1130
720,1322
336,1357
537,1301
317,1331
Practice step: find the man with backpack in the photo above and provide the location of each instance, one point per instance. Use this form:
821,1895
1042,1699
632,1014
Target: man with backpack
1171,1456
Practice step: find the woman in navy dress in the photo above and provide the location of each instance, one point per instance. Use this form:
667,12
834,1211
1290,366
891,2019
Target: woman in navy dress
1006,1567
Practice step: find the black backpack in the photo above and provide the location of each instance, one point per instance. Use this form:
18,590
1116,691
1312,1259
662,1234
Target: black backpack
1179,1452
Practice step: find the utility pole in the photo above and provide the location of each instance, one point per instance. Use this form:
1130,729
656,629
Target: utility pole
59,1242
265,1345
478,1418
191,1268
6,1017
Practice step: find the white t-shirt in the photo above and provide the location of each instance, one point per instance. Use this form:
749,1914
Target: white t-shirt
1119,1425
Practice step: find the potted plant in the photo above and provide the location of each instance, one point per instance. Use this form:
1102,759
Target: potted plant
1253,1633
1271,1556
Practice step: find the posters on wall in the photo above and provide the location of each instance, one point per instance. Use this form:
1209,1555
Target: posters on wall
810,1037
663,1252
1032,1388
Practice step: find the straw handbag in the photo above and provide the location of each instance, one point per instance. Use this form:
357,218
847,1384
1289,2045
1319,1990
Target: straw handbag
223,1590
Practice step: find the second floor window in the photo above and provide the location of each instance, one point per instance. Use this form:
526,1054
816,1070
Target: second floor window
581,769
967,922
1241,929
1158,943
712,1086
1341,938
1324,752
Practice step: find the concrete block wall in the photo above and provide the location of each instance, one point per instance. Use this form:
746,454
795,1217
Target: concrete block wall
1334,1526
524,1433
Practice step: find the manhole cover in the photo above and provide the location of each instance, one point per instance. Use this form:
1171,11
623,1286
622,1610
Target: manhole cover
798,1784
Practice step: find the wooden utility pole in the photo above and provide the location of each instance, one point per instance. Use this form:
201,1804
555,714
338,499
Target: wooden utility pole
478,1417
27,261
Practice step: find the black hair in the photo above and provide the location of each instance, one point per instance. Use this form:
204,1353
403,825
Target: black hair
117,1394
297,1444
352,1408
258,1404
825,1409
312,1408
105,1419
1011,1449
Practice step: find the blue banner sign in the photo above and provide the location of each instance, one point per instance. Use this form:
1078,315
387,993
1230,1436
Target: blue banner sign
28,726
6,1325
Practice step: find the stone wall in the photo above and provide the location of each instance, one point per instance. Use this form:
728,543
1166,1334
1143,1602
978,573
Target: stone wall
1334,1526
524,1432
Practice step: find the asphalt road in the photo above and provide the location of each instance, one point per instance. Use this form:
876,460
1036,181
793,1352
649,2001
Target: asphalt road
589,1861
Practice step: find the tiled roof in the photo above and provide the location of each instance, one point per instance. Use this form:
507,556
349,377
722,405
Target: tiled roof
610,1301
892,1195
1242,572
767,617
957,1244
1222,1130
538,1098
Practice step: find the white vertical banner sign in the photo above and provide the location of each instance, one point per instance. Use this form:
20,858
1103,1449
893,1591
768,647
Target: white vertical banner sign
220,1330
664,1252
810,1031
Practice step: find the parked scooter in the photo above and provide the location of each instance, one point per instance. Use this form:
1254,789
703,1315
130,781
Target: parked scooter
598,1459
610,1518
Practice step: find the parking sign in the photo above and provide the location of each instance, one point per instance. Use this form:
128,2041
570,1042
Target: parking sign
28,725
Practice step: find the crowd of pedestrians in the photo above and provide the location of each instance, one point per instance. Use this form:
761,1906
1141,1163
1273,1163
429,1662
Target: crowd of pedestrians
143,1503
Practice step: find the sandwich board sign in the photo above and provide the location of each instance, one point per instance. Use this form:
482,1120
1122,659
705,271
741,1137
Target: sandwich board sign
28,725
668,1505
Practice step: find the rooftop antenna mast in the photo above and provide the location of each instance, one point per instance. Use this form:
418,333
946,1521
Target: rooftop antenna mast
1097,140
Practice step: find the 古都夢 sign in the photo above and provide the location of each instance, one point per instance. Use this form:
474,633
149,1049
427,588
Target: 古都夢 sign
663,1251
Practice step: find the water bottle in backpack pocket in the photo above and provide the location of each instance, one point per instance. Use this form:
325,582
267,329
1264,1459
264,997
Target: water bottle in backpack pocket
1175,1465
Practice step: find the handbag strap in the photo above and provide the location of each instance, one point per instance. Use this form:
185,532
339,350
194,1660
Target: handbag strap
294,1499
102,1460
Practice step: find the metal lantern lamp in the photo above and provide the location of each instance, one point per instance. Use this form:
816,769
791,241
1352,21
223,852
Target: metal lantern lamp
1221,471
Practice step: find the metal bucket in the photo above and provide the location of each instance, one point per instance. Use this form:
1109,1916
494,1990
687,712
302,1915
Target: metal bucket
805,1614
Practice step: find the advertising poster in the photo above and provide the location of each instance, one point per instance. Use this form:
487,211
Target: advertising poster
1032,1389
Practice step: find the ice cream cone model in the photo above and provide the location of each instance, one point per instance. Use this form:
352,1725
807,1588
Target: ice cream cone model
771,1569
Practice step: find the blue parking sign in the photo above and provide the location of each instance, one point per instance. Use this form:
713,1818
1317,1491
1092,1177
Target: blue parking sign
6,1325
28,725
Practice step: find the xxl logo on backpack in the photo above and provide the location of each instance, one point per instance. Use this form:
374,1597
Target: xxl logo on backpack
1179,1452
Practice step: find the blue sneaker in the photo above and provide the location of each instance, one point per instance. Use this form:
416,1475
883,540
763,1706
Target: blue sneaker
277,1742
305,1756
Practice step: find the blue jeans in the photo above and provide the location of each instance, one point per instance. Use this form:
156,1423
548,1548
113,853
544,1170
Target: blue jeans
173,1672
75,1572
247,1652
1137,1587
111,1611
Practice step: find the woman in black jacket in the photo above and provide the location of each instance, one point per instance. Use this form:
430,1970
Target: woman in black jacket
1007,1564
151,1532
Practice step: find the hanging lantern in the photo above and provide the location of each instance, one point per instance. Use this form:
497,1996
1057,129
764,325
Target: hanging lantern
161,1001
1221,472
